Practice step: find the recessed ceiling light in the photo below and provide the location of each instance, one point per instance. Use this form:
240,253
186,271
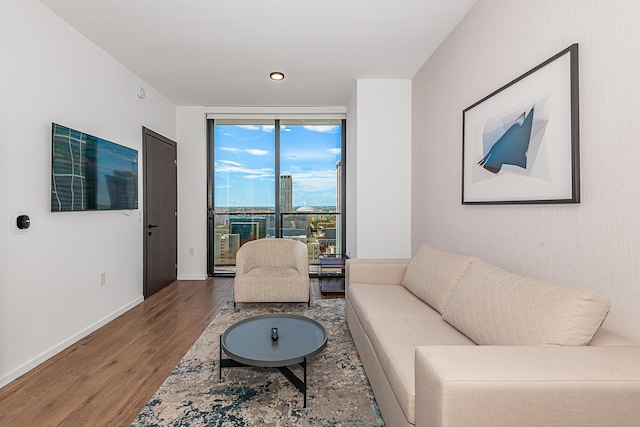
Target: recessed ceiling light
276,75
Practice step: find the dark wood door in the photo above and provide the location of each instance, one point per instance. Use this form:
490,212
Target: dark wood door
160,212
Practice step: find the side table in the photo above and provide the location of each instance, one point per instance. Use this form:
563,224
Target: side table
331,274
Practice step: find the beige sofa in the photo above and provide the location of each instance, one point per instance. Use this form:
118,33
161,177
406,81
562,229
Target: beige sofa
272,270
450,340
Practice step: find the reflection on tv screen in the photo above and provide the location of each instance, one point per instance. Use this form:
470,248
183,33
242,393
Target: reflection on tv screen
89,173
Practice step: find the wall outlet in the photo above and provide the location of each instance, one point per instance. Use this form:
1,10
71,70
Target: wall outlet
192,250
103,279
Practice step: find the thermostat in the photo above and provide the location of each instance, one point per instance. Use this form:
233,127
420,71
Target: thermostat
23,222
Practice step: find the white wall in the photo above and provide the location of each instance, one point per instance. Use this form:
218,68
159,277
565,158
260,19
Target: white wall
192,193
383,168
50,274
594,244
351,163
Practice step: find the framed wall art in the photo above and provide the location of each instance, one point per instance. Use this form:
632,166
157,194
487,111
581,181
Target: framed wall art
520,144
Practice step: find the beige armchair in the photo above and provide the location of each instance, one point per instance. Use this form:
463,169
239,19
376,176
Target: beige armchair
272,270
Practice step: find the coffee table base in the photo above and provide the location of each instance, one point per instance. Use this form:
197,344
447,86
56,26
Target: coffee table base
300,384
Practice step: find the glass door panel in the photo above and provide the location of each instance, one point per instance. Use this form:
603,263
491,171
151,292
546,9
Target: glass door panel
310,159
244,187
310,179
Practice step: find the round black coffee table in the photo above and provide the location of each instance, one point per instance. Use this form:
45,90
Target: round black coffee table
254,342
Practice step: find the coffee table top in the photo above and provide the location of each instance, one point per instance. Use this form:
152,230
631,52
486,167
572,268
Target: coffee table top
249,340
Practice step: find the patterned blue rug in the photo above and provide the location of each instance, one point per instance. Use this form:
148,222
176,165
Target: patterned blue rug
338,392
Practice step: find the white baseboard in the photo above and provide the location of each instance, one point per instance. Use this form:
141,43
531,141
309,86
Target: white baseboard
66,343
192,277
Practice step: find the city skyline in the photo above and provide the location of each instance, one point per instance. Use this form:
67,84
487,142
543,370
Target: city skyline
244,159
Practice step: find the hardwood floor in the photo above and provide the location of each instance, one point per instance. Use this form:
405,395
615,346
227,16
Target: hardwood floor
106,378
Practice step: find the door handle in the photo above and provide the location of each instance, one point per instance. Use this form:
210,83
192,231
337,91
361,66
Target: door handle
152,226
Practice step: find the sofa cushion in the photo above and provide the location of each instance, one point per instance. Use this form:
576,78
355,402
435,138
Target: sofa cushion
395,342
494,307
432,274
388,302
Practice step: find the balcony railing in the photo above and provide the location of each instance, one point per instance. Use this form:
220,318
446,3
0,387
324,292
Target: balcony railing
320,231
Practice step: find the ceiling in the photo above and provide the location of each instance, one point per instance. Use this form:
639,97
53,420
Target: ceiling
220,53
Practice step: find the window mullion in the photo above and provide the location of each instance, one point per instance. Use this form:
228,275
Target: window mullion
278,213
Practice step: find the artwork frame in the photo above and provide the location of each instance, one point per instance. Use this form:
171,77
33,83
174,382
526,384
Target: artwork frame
520,144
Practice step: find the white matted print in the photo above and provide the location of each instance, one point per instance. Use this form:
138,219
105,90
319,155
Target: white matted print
520,144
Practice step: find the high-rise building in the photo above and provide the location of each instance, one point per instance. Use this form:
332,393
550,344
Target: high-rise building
226,248
313,249
286,193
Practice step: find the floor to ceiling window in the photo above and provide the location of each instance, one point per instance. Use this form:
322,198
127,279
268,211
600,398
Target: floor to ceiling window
275,178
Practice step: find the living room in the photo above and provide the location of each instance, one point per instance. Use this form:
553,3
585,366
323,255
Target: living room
49,289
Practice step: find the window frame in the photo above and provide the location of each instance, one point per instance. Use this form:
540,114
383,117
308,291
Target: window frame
210,145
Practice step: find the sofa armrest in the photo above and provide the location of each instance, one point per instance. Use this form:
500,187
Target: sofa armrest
379,271
527,386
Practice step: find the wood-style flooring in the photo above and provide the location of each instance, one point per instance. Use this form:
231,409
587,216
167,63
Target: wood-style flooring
106,378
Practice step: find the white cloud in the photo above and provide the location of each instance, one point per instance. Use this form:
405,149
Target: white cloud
264,177
252,151
229,162
264,128
334,150
256,152
314,181
323,128
231,149
241,169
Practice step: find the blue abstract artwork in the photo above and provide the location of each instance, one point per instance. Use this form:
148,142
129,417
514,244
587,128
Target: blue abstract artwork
512,146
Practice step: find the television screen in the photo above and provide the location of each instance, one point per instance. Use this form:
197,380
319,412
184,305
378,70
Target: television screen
90,173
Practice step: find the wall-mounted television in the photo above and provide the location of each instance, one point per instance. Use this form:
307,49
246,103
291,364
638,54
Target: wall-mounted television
90,173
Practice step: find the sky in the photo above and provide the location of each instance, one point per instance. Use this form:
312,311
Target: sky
244,158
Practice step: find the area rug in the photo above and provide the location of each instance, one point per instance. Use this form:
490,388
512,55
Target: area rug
338,392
